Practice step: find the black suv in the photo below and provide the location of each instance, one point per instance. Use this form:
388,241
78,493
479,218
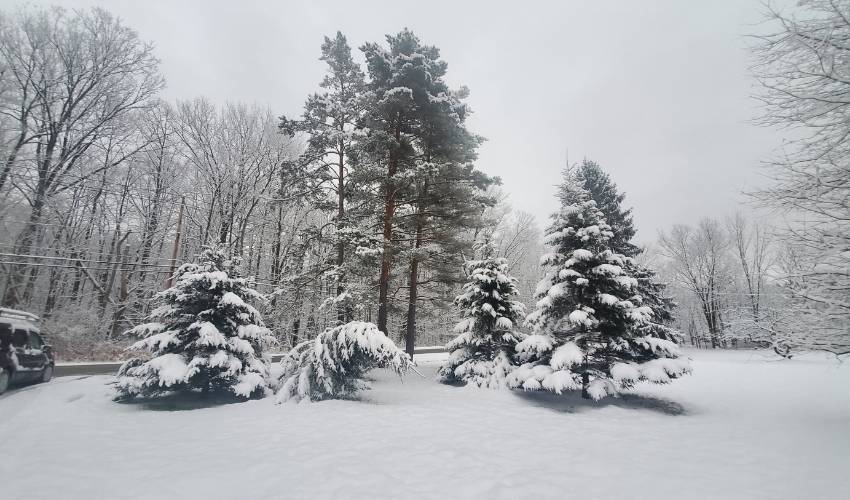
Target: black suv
24,356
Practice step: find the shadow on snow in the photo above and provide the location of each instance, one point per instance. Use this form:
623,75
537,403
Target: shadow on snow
572,402
183,401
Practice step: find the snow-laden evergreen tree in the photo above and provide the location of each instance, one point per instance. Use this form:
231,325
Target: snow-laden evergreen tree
417,148
333,365
203,337
482,353
588,325
653,294
609,200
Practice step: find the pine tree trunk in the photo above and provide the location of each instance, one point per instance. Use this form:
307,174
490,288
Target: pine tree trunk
413,279
585,382
386,258
342,311
386,262
410,337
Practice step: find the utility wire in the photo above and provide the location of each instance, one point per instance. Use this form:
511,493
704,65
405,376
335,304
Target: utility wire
44,257
69,266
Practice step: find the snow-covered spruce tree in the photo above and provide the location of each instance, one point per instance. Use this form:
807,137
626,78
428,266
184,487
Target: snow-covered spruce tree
587,327
203,337
653,294
332,365
609,201
482,352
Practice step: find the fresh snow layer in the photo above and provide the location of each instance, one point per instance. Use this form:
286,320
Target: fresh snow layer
744,426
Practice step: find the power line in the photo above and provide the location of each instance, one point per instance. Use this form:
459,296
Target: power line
117,189
74,248
173,197
107,268
67,266
25,222
46,257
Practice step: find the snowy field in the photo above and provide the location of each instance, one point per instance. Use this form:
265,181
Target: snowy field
743,426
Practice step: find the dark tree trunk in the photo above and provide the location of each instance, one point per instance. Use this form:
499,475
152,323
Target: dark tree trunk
276,247
123,295
210,213
410,337
413,278
343,311
224,227
20,275
52,291
150,228
386,258
13,153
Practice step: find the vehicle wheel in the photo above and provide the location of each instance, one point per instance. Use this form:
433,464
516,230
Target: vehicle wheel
4,380
47,374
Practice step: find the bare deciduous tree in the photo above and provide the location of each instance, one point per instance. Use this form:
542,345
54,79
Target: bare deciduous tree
79,77
699,261
803,65
751,247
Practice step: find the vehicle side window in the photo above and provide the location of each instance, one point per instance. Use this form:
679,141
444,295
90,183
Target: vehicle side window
5,335
20,338
35,341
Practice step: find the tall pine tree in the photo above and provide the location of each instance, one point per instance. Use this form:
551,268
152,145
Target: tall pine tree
447,196
587,325
419,152
330,121
204,336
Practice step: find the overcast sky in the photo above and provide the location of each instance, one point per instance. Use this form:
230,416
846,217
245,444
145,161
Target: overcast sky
657,92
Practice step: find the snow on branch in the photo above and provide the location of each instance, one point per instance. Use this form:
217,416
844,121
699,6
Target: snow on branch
333,365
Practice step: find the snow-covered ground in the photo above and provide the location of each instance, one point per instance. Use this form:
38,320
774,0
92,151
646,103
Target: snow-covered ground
744,425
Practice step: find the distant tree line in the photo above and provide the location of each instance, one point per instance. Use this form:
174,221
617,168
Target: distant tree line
363,207
784,284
